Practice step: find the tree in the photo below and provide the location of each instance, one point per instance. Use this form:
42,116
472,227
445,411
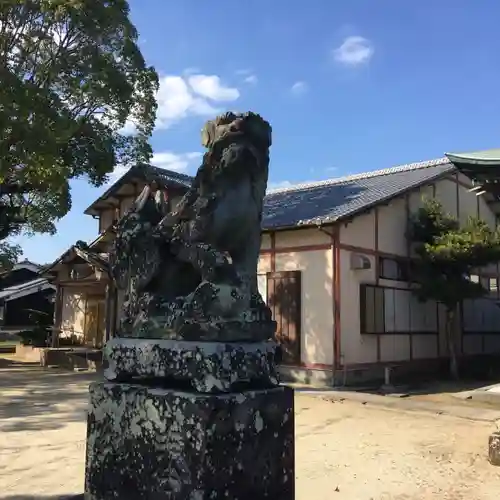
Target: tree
73,84
9,255
447,256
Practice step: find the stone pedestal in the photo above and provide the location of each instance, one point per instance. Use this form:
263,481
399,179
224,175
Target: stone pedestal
494,448
157,443
203,366
190,421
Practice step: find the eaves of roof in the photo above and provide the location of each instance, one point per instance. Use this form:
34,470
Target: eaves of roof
142,172
23,289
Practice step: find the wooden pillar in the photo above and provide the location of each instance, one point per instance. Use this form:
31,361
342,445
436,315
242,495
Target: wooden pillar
109,307
58,309
114,324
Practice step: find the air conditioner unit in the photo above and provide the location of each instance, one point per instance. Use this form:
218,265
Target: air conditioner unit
359,261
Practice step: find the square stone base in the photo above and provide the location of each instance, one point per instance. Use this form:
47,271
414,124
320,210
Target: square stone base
152,443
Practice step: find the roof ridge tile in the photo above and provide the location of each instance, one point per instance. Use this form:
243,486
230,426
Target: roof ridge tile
364,175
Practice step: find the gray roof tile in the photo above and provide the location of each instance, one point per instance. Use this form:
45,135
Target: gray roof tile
146,172
328,201
170,176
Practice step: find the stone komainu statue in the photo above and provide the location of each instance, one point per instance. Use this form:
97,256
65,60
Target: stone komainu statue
192,273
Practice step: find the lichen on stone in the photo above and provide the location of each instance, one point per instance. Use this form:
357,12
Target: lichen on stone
192,273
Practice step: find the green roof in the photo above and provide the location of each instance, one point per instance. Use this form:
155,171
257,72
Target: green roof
488,157
482,167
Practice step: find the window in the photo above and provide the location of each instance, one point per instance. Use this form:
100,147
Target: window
393,269
371,302
481,316
474,278
395,311
493,284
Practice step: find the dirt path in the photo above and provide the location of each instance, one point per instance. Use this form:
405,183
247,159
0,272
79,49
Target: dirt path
361,451
372,453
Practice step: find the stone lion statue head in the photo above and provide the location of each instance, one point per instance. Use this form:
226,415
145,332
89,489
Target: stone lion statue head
229,126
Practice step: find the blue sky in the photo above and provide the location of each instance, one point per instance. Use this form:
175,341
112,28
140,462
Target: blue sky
347,86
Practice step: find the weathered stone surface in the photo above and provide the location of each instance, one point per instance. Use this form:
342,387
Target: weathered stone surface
206,366
494,448
191,274
150,443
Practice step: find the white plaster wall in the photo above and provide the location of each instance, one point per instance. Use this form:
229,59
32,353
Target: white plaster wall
393,219
264,264
394,347
265,243
416,197
446,193
425,346
125,205
392,227
106,219
360,232
301,237
354,347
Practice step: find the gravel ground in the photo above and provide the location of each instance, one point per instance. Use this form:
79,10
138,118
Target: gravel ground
345,450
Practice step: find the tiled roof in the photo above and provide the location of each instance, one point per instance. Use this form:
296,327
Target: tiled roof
169,176
146,172
328,201
26,288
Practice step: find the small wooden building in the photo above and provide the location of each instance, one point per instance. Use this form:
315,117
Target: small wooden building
26,298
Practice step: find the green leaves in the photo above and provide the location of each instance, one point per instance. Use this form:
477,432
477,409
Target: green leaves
449,254
72,78
9,255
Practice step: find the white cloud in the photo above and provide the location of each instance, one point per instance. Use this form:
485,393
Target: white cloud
210,86
251,79
178,162
353,51
175,162
299,88
248,76
176,101
180,97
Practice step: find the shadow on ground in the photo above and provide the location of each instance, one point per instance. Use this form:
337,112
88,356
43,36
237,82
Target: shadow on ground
14,363
434,387
42,497
34,398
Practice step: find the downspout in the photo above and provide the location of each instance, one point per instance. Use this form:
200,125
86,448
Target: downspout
334,239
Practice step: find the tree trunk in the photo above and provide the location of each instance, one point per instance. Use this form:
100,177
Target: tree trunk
450,335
